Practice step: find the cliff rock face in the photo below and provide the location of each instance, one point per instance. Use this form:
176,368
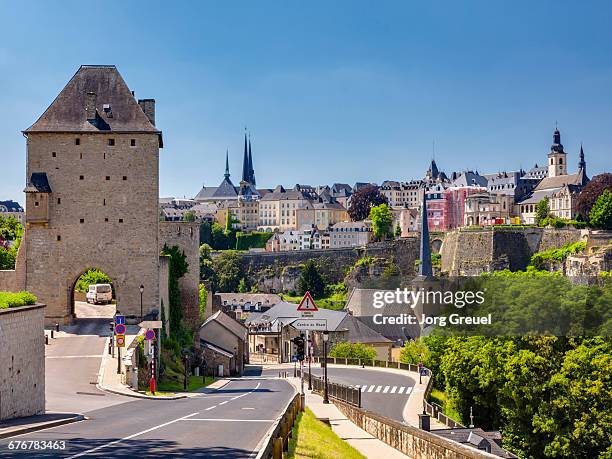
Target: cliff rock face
469,253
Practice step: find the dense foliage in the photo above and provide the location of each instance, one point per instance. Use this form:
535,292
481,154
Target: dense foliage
11,233
203,297
178,268
346,350
13,300
363,200
310,280
591,192
539,259
382,220
91,277
414,351
255,240
601,213
228,272
541,211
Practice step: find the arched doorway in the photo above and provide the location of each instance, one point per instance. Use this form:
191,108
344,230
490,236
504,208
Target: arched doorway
93,295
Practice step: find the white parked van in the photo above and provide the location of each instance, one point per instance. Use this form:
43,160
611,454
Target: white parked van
100,294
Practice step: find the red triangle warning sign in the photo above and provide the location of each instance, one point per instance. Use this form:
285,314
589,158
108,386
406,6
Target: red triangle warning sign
307,304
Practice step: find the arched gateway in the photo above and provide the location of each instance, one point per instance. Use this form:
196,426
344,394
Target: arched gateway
92,194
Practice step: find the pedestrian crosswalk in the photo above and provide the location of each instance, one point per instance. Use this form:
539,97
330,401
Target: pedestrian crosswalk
389,390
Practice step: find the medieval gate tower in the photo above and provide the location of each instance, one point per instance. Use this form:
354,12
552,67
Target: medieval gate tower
92,194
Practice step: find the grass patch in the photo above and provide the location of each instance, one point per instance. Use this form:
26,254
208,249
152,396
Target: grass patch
195,383
315,439
160,394
439,397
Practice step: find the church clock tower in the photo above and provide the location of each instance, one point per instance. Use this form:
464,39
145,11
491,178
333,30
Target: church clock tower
557,158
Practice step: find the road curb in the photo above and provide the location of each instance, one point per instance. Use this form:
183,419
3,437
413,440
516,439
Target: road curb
42,426
139,395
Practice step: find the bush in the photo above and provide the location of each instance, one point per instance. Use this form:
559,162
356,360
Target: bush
91,277
255,240
346,350
14,300
539,259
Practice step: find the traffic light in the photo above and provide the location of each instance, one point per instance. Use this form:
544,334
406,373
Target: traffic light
299,342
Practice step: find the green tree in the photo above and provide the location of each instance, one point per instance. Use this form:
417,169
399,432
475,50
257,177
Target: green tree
189,216
243,286
91,277
220,241
207,271
382,219
206,233
345,350
310,280
591,192
203,298
11,233
363,200
178,268
601,213
398,231
542,211
415,351
228,272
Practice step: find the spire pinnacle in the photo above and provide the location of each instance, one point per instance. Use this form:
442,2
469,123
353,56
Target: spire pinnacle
245,160
227,172
251,169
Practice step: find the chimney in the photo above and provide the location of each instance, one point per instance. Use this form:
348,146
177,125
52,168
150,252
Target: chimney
148,107
90,105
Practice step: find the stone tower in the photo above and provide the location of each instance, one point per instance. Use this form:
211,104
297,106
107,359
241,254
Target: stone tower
92,194
557,158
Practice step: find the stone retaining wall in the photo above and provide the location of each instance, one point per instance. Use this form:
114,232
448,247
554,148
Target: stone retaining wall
22,362
414,442
8,279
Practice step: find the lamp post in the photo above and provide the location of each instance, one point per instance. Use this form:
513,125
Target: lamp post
141,292
185,363
325,340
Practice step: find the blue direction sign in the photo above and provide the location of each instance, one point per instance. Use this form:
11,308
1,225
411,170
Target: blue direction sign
120,329
120,320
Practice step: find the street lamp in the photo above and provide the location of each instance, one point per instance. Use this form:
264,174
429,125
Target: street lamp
141,292
325,340
185,364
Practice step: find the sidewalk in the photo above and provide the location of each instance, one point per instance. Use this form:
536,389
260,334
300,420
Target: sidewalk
366,444
21,426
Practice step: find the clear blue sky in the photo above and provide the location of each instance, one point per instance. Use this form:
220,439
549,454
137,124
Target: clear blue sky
332,91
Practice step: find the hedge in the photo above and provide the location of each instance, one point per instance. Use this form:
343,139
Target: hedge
13,300
255,240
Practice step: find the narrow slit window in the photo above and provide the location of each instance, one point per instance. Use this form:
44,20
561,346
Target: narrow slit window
81,177
59,200
59,238
125,177
108,177
111,142
121,220
132,142
77,141
82,220
54,155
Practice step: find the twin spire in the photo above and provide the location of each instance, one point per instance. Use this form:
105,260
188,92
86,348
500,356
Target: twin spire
248,172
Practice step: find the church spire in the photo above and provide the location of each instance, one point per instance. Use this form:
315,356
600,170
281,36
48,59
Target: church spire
245,160
582,162
251,170
227,172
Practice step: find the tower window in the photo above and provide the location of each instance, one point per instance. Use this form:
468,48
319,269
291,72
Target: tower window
54,155
81,177
82,220
125,177
560,160
111,142
77,141
108,177
59,200
106,219
132,142
36,204
59,238
104,202
80,155
121,220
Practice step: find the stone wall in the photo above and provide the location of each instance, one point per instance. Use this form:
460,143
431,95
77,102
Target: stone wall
22,362
279,271
186,236
469,253
413,442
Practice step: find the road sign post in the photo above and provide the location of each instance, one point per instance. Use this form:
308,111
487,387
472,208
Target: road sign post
119,339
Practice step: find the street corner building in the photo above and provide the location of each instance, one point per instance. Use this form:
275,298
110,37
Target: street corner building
92,197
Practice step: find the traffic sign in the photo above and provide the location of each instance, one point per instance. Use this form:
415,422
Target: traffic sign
150,334
150,324
120,329
120,320
307,304
423,372
310,324
294,358
120,340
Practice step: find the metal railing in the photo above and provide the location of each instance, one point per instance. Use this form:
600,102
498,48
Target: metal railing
347,394
433,411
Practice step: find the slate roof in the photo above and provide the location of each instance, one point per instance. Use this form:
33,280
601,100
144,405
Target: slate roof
227,322
474,438
560,181
67,112
38,183
469,178
10,206
359,332
225,190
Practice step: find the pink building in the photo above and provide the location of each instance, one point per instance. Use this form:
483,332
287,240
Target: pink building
446,207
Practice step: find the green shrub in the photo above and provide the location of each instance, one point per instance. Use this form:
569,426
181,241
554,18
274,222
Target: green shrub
14,300
91,277
558,255
353,351
255,240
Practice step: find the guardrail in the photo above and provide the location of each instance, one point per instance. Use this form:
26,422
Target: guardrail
277,440
348,394
433,411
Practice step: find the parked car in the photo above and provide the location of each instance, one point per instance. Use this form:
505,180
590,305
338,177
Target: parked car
100,294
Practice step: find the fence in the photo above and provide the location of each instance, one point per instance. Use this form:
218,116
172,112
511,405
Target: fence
277,439
348,394
434,411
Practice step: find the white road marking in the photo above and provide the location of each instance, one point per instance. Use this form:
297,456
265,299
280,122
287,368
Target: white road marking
401,390
378,389
223,403
371,388
106,445
229,420
386,389
408,390
393,389
210,408
74,356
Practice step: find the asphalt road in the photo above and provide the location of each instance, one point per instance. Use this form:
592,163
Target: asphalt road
383,392
228,423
